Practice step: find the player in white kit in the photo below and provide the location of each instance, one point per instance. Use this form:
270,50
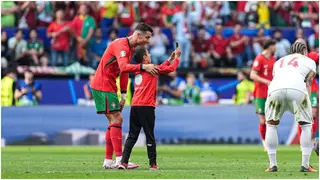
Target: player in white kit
289,90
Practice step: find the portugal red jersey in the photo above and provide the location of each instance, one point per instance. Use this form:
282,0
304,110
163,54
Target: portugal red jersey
264,67
114,61
314,56
145,84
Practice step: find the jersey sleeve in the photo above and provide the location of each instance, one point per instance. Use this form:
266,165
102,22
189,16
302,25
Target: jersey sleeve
164,68
256,65
313,66
124,78
122,54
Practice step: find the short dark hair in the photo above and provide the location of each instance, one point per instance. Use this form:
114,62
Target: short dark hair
111,30
139,52
28,71
269,43
277,30
298,47
143,27
18,30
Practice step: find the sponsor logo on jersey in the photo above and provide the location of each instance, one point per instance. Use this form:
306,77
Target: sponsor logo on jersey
256,64
138,79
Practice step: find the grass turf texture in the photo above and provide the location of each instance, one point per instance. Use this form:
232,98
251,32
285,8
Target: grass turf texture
197,161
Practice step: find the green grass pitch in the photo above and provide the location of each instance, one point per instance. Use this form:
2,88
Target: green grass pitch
196,161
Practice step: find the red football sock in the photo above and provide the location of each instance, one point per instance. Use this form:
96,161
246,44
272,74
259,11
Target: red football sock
314,127
262,130
116,138
109,147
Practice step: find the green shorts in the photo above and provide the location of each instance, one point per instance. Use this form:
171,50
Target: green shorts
259,104
314,99
106,102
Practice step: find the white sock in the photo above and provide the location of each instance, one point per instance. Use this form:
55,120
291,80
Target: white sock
118,159
271,142
107,162
306,144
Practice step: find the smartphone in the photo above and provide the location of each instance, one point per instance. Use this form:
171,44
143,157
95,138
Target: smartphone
177,44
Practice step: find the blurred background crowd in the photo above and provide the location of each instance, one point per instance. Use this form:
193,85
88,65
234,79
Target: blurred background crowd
216,34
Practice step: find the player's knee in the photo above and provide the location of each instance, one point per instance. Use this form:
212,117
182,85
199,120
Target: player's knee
273,122
262,119
117,118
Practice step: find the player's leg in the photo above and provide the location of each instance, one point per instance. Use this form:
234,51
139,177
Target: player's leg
260,110
148,123
301,106
315,113
275,107
134,130
101,108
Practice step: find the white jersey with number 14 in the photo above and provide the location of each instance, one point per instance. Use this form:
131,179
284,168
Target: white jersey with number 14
290,72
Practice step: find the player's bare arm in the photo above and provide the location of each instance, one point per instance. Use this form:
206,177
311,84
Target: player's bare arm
308,81
254,76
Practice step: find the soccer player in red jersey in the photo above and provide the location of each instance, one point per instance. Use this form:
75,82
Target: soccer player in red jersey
142,114
114,62
261,74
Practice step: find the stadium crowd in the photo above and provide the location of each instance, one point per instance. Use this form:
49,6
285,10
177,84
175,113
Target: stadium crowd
76,32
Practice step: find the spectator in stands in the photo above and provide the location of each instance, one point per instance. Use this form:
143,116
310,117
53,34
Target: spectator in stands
83,28
244,90
282,45
263,14
128,13
241,10
211,14
113,34
167,11
308,14
109,11
280,13
172,91
28,91
195,12
225,11
313,39
8,86
35,47
18,46
182,33
209,93
28,10
5,56
59,32
44,61
233,19
151,14
99,45
259,40
200,52
240,47
8,10
158,43
70,10
220,49
251,18
191,93
45,13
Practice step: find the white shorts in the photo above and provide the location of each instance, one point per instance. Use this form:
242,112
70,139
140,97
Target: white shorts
292,100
